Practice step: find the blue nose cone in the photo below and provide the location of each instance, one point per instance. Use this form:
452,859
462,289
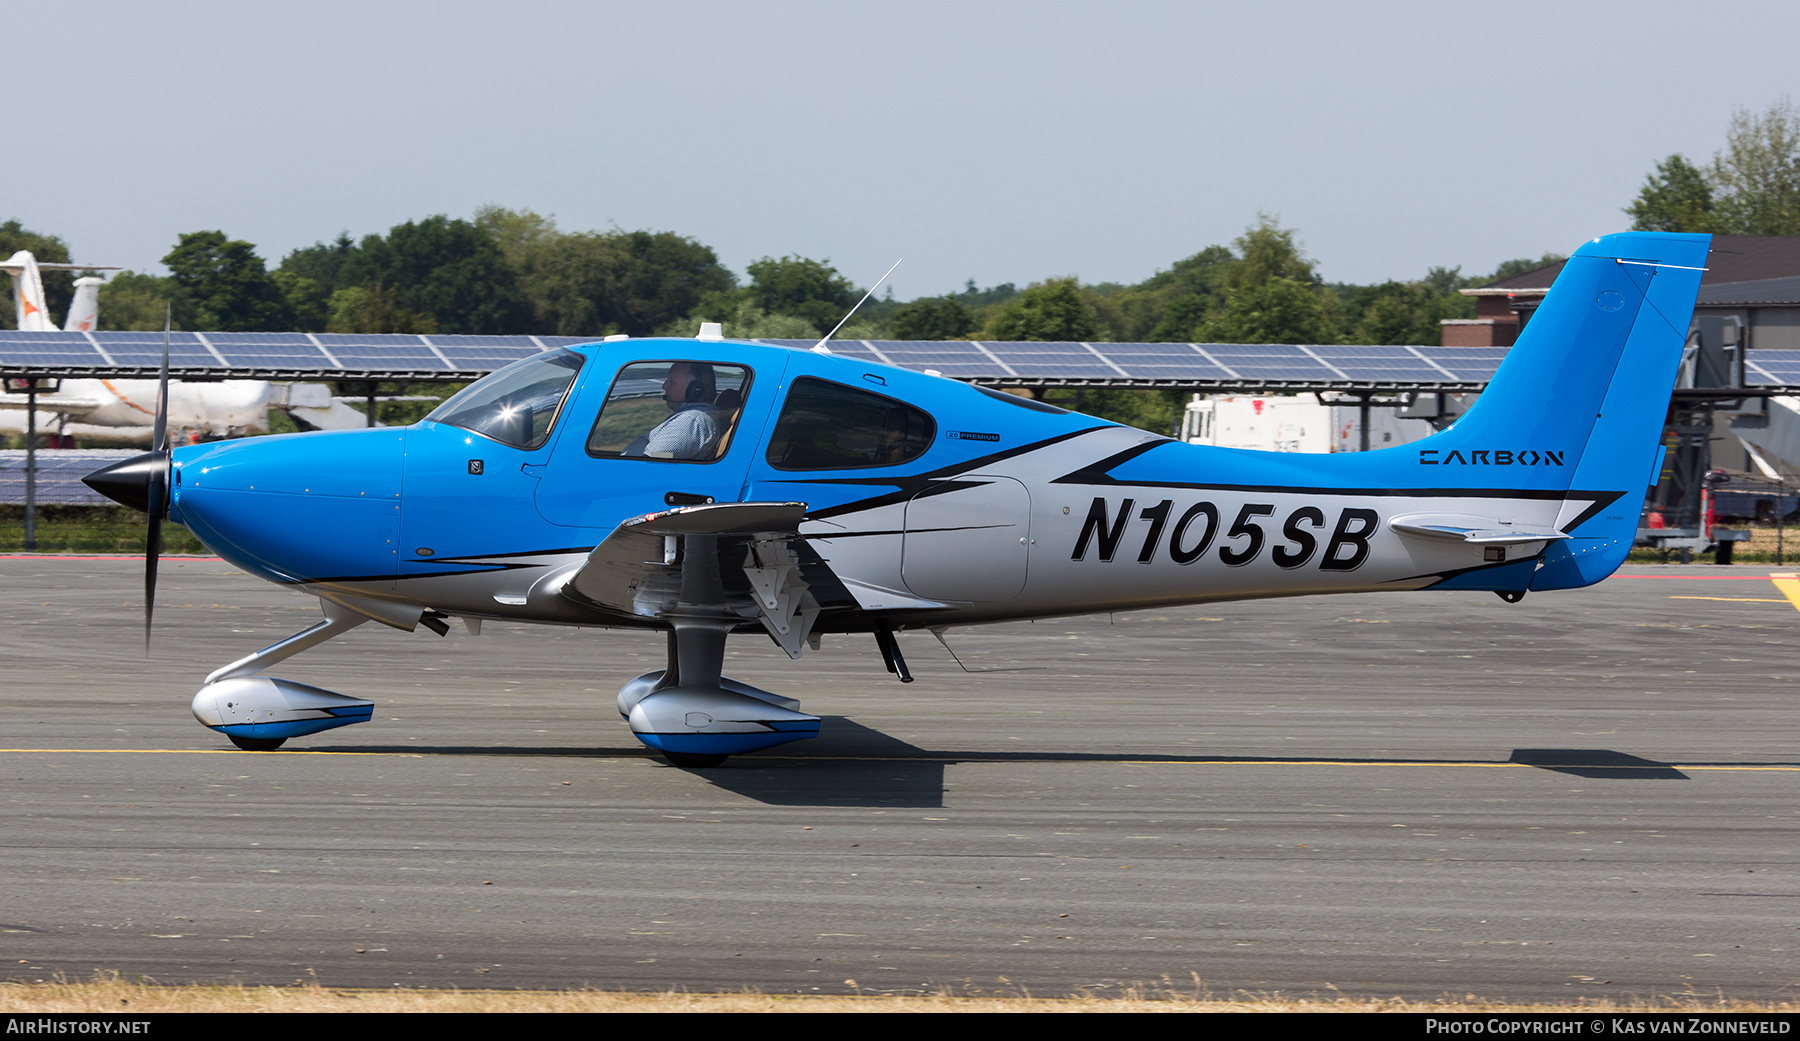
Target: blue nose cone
321,507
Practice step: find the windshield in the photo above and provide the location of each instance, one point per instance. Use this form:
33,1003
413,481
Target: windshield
518,404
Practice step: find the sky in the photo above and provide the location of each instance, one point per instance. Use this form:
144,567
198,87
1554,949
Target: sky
1000,142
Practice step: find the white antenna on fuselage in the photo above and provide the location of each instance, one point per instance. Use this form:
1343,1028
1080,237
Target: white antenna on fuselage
820,346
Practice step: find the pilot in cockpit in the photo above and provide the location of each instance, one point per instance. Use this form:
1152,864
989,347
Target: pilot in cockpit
690,391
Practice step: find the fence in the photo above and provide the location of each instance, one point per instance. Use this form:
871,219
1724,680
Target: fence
59,474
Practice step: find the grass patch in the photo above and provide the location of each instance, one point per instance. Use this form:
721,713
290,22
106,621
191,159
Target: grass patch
127,997
1767,545
90,529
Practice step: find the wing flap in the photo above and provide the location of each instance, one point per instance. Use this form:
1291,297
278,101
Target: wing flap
643,554
733,561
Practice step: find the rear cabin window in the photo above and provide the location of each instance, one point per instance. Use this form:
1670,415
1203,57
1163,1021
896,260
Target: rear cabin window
679,411
828,426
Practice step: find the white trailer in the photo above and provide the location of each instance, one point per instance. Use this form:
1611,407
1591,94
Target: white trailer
1291,423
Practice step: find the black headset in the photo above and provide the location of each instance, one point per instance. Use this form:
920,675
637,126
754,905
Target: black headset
703,384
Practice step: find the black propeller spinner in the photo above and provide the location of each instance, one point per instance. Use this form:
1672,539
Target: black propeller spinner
142,483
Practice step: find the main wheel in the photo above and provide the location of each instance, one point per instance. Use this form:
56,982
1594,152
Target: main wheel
257,744
693,760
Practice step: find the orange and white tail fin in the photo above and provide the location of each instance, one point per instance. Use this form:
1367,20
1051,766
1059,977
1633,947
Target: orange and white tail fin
28,293
84,311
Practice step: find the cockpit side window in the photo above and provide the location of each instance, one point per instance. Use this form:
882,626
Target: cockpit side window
681,411
516,405
828,426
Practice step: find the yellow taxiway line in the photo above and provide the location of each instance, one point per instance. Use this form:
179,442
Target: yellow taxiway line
956,761
1789,585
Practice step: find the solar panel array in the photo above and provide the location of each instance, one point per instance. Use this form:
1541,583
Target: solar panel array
291,356
1772,366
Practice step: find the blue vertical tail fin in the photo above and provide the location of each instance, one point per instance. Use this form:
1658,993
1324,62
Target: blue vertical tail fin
1583,393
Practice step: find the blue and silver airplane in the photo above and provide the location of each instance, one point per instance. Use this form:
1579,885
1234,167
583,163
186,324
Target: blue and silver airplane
706,488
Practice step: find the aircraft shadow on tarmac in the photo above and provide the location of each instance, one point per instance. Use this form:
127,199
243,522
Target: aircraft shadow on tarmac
854,765
851,765
1596,762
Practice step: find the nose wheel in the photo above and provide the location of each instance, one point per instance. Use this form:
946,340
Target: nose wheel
257,744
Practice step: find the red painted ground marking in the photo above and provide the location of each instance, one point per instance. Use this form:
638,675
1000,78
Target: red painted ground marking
113,556
1701,578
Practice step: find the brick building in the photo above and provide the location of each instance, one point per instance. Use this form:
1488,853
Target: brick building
1754,278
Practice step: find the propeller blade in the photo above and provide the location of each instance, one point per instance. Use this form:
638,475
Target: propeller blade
159,483
142,483
157,491
159,438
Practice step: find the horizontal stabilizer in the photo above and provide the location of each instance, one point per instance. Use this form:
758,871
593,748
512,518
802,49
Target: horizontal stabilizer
1463,528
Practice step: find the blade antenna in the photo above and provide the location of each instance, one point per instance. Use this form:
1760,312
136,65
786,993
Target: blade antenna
159,481
820,346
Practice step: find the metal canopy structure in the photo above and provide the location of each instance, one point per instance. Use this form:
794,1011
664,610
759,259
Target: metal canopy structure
1185,366
1204,367
265,356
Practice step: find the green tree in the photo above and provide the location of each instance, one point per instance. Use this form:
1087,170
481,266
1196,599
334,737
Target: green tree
322,263
593,283
933,318
1263,291
1268,251
1271,294
374,309
571,281
742,320
306,300
1158,411
976,299
135,302
1183,319
447,269
1514,268
664,276
1404,312
1204,272
221,284
1172,305
517,232
59,286
1053,310
1756,177
982,304
808,289
1674,198
625,281
860,328
1275,310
